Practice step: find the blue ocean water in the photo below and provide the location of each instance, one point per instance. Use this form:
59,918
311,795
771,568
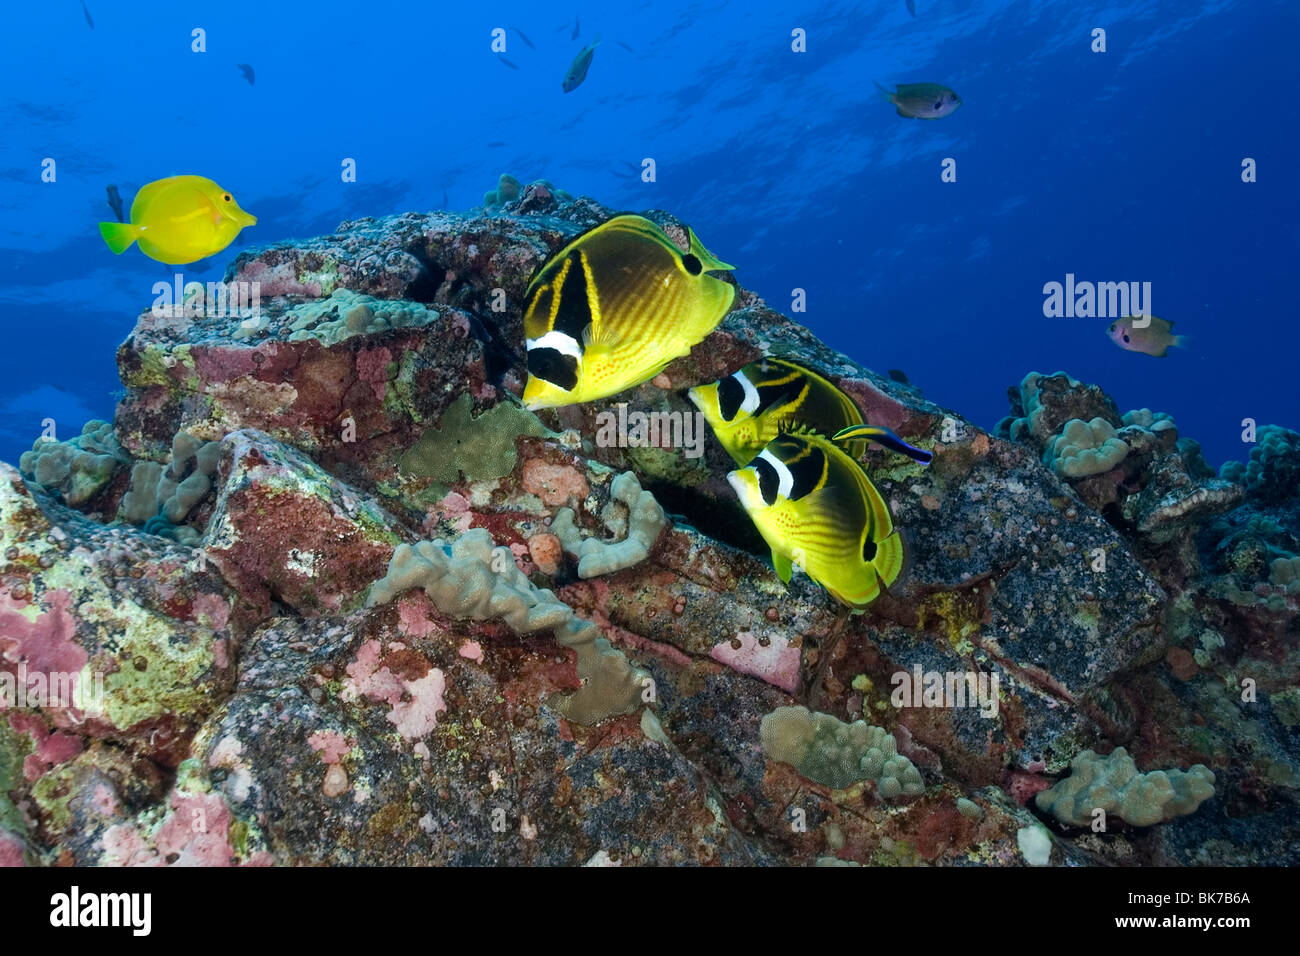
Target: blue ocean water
1123,165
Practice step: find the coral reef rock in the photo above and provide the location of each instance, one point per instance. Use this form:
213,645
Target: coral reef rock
340,594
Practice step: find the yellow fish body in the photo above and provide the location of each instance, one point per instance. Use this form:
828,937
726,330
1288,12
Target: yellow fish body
613,307
750,407
179,220
817,509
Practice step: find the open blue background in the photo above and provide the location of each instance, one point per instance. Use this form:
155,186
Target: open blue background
1115,166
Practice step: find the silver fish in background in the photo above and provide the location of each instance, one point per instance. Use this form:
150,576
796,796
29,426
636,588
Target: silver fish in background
115,202
928,101
247,70
575,29
578,68
523,36
89,22
911,7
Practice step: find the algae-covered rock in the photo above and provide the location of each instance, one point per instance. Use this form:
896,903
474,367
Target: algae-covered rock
1115,608
133,638
285,529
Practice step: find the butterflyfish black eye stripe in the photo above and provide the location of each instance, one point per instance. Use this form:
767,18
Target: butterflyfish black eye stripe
552,365
768,480
730,395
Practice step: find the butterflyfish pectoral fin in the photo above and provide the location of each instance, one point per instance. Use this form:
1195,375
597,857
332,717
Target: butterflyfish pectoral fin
596,340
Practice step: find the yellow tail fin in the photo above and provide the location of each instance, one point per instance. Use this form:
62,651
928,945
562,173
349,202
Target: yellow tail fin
888,561
118,235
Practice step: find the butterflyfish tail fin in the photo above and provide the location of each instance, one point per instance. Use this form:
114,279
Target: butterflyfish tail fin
889,558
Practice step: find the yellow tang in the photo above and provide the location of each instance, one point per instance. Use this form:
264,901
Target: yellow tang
817,509
613,307
178,220
750,407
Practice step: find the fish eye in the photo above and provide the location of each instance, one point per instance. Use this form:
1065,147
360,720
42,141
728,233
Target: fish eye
939,105
692,264
1112,326
226,197
1126,337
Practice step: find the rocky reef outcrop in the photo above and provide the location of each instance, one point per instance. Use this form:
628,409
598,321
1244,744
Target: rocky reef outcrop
348,602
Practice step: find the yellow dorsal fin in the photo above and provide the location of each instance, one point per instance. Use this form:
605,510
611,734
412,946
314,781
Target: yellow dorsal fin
792,426
710,262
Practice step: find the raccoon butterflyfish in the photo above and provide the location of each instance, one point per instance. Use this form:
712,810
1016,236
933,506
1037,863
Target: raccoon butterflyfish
750,407
179,220
817,509
613,307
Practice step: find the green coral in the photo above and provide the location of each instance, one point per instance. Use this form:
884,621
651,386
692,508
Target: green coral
472,579
172,492
509,189
1285,573
1273,473
78,468
634,517
1084,448
836,754
1032,424
479,448
1145,417
345,313
1113,784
